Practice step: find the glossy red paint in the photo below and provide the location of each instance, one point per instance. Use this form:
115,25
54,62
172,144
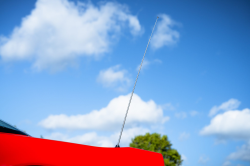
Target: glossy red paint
19,150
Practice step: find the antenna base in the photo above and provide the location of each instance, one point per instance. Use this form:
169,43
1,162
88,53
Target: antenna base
117,146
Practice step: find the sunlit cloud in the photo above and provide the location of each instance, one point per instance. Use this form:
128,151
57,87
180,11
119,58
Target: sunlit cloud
114,77
233,124
165,35
228,105
110,117
58,32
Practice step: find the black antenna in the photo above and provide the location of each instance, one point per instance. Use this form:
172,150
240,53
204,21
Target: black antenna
134,86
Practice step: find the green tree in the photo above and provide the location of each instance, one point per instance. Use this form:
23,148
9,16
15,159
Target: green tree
155,143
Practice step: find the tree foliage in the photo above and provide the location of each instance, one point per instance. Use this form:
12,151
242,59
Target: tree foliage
155,143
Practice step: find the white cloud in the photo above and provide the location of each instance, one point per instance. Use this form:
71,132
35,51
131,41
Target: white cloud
243,153
57,32
164,34
110,117
203,159
93,139
231,124
228,105
193,113
181,115
114,77
184,136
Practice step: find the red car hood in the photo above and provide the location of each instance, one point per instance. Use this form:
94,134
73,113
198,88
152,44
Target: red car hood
19,150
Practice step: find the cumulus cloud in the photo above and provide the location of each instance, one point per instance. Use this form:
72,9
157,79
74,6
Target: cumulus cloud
57,32
181,115
228,105
233,124
111,117
165,35
114,77
184,136
93,139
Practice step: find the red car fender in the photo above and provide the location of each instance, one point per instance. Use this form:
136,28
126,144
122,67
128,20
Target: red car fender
20,150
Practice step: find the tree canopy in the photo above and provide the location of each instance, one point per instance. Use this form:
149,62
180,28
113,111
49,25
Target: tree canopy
155,143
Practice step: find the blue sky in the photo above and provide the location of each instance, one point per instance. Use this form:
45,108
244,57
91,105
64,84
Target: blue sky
67,69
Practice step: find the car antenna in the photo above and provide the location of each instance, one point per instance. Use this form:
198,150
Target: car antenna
117,146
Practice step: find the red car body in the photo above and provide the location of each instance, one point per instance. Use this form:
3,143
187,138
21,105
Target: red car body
21,150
